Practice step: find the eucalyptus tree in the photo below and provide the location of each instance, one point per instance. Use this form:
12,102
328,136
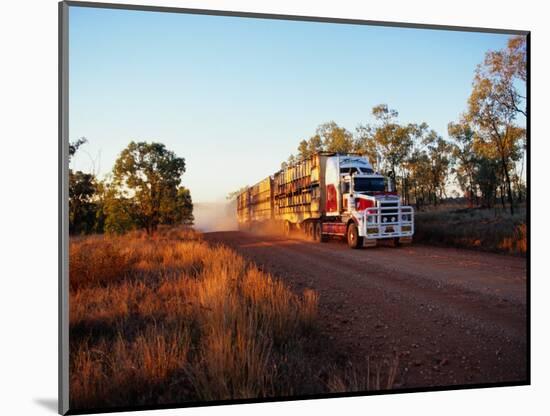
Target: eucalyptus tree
148,177
494,105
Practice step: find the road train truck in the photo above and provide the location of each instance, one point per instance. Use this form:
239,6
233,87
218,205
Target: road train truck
328,194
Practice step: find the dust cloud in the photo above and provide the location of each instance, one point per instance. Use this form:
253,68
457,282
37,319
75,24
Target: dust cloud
215,216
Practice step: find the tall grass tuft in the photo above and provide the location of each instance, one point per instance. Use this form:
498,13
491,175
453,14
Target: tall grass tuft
169,319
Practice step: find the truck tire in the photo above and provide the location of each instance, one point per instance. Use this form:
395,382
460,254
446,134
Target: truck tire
310,230
286,228
318,233
354,241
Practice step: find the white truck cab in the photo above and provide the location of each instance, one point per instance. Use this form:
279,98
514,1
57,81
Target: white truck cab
368,200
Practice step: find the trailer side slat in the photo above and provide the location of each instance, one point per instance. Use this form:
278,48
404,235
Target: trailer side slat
291,194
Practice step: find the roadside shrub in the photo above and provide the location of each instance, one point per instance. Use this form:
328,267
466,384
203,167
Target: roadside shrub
480,229
97,261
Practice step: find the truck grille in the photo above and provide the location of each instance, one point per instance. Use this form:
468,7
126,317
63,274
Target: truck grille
388,213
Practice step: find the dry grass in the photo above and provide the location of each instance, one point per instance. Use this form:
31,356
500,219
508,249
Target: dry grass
481,229
517,243
380,375
169,319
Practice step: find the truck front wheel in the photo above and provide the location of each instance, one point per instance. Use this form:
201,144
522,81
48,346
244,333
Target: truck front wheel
354,241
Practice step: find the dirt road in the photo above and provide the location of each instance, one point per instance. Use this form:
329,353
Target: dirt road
451,316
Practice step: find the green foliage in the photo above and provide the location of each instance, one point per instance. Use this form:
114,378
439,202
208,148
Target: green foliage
502,69
143,191
476,174
388,144
82,208
119,213
119,217
466,160
329,137
439,153
147,177
333,138
419,170
82,188
485,176
179,209
493,107
309,147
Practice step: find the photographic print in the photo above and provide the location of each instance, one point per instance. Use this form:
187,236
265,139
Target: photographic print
259,208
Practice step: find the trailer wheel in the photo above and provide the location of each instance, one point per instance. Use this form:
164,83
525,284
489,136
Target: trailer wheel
310,230
354,241
318,233
322,237
286,228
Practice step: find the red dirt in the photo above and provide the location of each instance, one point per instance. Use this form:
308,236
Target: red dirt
452,316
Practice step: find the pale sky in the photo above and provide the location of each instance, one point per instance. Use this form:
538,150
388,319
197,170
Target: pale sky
234,96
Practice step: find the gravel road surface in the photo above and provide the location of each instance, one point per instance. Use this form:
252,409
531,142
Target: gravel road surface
451,316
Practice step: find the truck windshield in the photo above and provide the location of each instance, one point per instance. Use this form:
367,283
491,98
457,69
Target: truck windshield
369,185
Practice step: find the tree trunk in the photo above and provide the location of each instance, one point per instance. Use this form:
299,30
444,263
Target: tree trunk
508,186
517,184
472,196
406,189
